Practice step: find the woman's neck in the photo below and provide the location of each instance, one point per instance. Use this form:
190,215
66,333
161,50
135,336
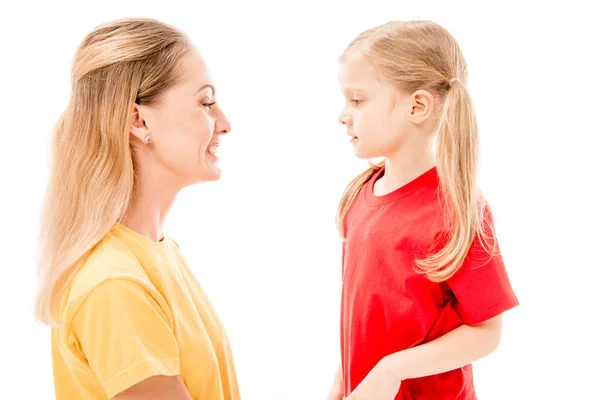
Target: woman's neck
150,204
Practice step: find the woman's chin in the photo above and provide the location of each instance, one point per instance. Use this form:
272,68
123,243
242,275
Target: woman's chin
211,172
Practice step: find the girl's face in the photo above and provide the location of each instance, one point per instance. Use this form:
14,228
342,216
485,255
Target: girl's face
185,127
373,112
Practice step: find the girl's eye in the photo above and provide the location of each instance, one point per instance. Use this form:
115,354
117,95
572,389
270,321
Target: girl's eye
356,102
209,105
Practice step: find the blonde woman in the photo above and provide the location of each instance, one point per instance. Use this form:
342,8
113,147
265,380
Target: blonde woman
129,320
424,284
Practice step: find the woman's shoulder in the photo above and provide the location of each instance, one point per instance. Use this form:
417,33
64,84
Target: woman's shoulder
110,260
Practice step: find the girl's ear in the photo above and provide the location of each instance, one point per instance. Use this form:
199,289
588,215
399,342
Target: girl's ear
422,102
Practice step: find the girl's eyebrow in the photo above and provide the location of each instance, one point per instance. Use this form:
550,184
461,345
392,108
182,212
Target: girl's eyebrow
357,90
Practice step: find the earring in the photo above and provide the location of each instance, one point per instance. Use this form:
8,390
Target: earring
147,139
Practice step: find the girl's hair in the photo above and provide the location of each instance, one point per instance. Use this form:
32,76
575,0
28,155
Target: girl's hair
423,55
93,170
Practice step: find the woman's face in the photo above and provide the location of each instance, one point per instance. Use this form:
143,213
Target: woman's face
185,127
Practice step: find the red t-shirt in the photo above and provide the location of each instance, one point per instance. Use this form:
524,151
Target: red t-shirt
388,307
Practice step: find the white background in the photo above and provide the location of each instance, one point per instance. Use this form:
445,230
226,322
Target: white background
262,241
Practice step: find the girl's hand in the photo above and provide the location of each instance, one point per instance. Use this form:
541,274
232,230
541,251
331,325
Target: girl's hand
335,396
379,384
337,390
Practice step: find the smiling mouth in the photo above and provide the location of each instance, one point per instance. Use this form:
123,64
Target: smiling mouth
213,149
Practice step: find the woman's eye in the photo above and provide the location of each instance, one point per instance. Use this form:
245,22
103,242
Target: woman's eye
356,102
209,105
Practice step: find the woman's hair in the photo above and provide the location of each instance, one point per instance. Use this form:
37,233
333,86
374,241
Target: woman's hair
423,55
93,170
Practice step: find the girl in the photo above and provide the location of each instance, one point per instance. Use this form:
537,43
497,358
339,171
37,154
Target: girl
129,319
424,284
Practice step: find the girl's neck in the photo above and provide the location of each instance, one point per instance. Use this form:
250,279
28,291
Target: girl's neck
404,167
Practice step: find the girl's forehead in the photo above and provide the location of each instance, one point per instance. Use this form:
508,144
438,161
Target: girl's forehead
358,76
357,69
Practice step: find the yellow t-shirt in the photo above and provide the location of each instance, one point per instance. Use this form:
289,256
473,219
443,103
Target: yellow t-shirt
134,310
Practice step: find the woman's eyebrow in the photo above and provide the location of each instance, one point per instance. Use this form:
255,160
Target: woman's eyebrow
211,87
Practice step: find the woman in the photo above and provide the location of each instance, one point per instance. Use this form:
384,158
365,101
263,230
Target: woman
129,319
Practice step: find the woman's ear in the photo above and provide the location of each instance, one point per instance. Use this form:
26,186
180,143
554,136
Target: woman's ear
138,128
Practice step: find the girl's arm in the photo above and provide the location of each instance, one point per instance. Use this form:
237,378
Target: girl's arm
457,348
454,350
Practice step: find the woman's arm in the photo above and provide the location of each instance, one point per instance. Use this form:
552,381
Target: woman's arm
155,388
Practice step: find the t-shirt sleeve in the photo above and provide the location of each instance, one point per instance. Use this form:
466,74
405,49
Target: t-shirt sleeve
481,285
125,335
